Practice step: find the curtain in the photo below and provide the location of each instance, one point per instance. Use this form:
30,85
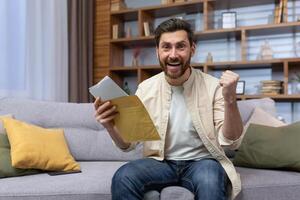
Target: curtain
80,35
34,49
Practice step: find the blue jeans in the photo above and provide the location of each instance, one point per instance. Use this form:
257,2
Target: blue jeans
205,178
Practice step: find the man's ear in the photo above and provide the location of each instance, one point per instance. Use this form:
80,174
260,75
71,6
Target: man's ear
193,48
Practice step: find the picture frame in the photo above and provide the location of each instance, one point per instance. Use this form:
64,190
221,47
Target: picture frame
240,87
229,19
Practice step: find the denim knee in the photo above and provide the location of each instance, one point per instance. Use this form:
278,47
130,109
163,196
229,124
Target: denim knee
206,179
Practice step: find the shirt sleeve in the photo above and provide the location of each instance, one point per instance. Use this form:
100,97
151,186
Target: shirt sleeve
130,148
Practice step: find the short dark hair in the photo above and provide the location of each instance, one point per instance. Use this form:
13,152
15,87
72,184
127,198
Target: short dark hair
172,25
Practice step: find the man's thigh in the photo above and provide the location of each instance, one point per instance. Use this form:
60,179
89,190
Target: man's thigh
205,176
148,173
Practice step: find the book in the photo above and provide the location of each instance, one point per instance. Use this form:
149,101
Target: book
166,1
133,120
115,31
148,28
285,11
280,12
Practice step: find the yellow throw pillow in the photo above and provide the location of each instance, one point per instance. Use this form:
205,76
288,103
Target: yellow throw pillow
38,148
2,130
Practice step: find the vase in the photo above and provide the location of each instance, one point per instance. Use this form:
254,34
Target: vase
135,62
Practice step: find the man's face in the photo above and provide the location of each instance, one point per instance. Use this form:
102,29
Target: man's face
174,53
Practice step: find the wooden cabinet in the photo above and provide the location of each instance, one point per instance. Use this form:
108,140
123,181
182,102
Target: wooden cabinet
242,42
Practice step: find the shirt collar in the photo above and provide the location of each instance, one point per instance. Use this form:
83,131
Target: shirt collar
187,84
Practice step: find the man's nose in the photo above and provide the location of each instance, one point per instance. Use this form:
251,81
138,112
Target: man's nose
173,53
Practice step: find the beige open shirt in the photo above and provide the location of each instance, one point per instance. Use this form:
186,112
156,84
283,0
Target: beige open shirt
205,103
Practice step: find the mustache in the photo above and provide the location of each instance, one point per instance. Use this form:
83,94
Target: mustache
174,60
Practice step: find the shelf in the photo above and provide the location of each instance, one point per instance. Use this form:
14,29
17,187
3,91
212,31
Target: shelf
279,97
165,9
173,9
246,64
225,4
273,29
127,15
244,47
133,42
218,34
270,29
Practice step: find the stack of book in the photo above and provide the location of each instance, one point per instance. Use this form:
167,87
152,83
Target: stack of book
166,1
271,87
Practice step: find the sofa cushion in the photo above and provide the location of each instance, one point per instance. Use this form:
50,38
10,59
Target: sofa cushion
86,138
176,193
93,183
268,184
6,169
270,147
38,148
246,107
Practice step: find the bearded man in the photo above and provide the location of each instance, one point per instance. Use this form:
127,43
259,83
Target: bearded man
195,115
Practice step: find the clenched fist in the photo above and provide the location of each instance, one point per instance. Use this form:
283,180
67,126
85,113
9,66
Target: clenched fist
229,81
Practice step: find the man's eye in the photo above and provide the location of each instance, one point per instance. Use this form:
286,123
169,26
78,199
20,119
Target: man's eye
181,46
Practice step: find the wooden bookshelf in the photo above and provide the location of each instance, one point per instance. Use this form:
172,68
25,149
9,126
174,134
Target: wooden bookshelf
114,52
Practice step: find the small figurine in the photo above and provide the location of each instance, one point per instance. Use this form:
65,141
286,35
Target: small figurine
266,52
209,58
136,53
126,88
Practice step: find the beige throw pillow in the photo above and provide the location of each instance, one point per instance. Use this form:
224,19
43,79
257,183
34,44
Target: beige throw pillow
261,117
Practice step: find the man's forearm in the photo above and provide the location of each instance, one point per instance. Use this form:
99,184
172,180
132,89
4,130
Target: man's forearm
233,126
115,135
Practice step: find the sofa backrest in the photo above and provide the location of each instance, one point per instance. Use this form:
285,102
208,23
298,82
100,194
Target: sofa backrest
86,138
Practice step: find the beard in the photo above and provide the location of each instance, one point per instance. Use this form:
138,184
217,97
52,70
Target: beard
176,63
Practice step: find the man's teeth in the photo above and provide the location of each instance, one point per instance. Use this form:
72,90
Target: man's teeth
173,64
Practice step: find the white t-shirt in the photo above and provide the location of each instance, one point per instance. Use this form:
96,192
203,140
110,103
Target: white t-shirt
182,140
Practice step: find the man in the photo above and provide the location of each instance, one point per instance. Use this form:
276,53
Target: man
194,114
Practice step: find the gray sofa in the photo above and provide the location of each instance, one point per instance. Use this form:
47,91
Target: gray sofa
99,158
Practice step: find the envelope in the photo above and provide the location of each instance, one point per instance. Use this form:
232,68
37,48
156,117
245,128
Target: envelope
133,120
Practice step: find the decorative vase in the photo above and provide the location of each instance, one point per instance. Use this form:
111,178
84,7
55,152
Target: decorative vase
135,62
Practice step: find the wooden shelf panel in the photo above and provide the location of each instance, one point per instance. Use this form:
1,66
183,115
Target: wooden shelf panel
126,15
124,71
163,10
225,4
133,42
246,64
173,9
272,29
218,34
279,97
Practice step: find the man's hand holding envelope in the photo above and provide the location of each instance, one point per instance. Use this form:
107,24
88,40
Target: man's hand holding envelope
125,117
